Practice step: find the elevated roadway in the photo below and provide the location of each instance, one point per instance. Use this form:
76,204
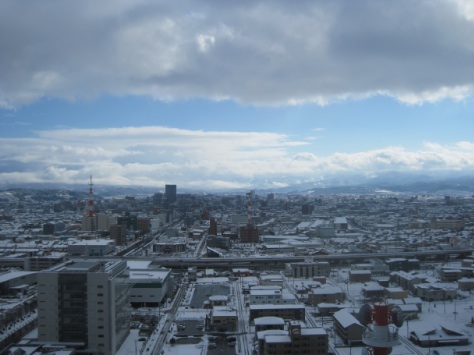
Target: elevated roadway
279,261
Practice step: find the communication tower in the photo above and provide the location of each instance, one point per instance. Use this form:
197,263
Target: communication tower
380,334
89,221
90,209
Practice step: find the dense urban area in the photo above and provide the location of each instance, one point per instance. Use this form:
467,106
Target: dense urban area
249,273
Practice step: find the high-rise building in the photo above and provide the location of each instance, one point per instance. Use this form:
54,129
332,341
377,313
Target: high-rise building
85,305
48,228
249,234
103,222
118,232
307,209
170,194
212,227
89,223
143,224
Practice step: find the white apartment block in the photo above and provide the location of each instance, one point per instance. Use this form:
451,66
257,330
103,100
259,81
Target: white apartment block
271,296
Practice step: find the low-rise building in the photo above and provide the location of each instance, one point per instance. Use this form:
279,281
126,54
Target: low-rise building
169,246
441,335
372,291
328,309
218,300
397,264
308,269
297,340
466,284
222,319
271,279
395,292
376,266
271,296
417,301
449,275
91,247
150,287
347,327
325,294
436,291
267,323
360,275
408,280
285,311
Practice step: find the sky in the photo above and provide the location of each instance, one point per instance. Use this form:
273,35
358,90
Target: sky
245,94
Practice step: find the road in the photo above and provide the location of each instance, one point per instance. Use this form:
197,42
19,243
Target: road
242,340
171,316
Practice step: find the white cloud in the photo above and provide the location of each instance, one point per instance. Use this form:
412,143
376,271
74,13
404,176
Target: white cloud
465,8
456,93
258,52
202,159
205,42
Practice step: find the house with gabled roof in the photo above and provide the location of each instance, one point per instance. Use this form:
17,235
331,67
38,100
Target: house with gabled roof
442,335
347,327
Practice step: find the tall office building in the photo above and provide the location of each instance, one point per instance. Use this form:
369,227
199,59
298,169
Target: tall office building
170,194
307,209
103,222
85,305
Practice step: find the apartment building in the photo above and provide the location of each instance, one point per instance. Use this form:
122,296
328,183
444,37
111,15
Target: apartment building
347,327
271,296
297,340
308,269
285,311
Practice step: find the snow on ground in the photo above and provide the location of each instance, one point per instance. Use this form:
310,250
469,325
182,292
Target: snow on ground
131,344
185,349
457,313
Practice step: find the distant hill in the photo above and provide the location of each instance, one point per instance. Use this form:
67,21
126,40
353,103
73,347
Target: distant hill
395,182
447,183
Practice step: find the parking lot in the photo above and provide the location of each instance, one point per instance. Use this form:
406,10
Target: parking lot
190,327
202,293
223,345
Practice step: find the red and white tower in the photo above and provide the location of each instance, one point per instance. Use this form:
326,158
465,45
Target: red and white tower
382,334
90,207
89,221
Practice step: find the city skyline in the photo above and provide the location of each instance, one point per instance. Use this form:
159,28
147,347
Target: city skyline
256,94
